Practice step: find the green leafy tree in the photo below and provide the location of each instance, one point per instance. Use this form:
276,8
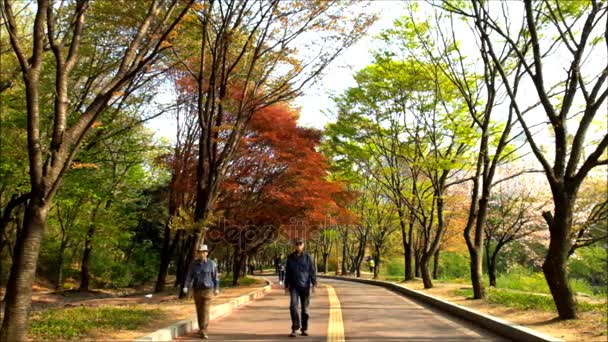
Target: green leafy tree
434,41
113,49
573,97
402,125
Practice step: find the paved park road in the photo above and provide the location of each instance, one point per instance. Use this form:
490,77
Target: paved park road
344,311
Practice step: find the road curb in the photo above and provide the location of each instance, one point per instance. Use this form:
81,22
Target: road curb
187,325
500,326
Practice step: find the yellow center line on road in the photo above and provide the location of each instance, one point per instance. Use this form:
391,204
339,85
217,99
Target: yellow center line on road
335,326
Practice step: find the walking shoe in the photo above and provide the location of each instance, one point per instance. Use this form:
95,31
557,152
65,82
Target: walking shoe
293,334
281,282
304,333
204,336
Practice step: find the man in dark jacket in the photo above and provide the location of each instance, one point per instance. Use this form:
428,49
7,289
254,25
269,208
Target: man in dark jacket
202,277
300,280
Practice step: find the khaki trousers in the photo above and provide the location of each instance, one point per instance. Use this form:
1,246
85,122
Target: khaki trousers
202,300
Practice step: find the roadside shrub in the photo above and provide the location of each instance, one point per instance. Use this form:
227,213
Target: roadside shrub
453,266
393,267
591,265
524,279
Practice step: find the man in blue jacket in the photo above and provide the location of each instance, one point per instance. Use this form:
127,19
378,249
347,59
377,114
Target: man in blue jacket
202,277
300,280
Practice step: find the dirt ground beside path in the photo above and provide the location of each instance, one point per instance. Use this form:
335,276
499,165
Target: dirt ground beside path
45,297
172,310
590,326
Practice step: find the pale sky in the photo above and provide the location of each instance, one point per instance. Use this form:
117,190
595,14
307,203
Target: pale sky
316,105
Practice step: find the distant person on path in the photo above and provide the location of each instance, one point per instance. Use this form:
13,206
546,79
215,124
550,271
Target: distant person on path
281,269
300,281
277,262
202,277
372,264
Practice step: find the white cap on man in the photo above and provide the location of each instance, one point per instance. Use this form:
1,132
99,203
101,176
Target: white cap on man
203,248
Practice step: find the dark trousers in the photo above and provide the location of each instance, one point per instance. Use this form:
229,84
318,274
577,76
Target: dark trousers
281,275
202,300
299,296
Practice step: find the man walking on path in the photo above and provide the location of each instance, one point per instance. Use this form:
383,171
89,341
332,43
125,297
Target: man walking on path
202,277
300,280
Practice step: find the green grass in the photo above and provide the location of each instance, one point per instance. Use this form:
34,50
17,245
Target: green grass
525,280
76,323
527,301
457,281
393,267
393,278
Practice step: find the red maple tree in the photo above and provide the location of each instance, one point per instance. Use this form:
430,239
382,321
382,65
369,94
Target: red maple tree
277,184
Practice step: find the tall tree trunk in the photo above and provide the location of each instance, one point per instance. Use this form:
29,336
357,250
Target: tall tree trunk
406,235
408,257
475,244
60,257
492,273
417,264
476,265
236,268
23,271
12,245
376,269
86,258
165,258
360,255
477,256
430,247
2,268
436,264
344,256
88,248
425,273
554,266
324,264
16,203
179,269
186,260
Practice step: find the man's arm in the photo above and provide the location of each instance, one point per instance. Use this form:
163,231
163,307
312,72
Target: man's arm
287,273
189,277
312,271
216,279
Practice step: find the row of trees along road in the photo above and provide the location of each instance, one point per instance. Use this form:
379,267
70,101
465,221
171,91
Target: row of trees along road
423,136
78,68
461,90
